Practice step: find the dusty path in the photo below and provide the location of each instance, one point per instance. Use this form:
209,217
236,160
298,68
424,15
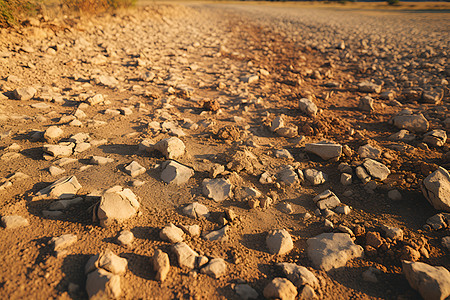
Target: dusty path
156,67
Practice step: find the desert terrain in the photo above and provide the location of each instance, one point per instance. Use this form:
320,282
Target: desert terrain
226,150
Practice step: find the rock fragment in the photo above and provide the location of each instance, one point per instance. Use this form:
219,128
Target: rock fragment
287,175
332,250
64,188
435,138
431,282
116,204
25,93
196,210
326,199
135,169
185,255
299,275
366,104
63,241
100,160
171,234
245,291
369,87
161,265
414,123
367,151
215,268
326,150
52,133
126,238
280,288
308,107
218,235
14,221
279,241
60,150
216,189
174,172
436,188
314,176
171,148
376,169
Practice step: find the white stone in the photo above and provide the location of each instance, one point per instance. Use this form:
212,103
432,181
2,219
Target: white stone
325,150
53,132
117,204
14,221
171,148
280,288
217,189
299,275
55,171
185,255
308,107
192,230
64,188
135,169
436,188
25,93
161,264
125,238
63,241
215,268
376,169
174,172
99,160
171,234
196,210
279,242
96,99
326,199
367,151
433,283
60,150
314,176
332,250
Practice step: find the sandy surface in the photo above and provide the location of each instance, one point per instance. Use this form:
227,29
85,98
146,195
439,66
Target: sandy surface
198,52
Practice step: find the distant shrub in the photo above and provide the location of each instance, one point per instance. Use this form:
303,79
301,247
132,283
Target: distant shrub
12,10
393,2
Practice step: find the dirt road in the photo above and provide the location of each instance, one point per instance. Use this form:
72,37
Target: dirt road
87,97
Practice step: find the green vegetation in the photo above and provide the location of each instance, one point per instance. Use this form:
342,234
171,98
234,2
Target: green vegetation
12,10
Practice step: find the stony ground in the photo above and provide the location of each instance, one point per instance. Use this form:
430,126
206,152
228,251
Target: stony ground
86,98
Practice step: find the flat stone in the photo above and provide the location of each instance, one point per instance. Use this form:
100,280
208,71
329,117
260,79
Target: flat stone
96,99
436,188
288,132
192,230
308,107
325,150
174,172
171,234
14,221
117,204
393,233
216,268
326,199
25,93
171,148
299,275
161,265
218,235
196,210
60,150
81,147
63,241
414,123
367,151
431,282
185,255
99,160
125,238
216,189
314,176
101,284
135,169
279,242
107,261
55,171
64,188
280,288
376,169
245,292
332,250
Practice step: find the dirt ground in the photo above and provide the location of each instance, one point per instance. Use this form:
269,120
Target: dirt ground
198,52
